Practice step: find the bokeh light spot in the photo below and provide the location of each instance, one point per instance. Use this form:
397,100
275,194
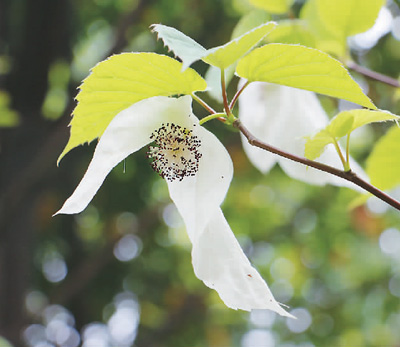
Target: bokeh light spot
171,216
54,267
282,268
389,241
303,321
258,337
128,247
262,318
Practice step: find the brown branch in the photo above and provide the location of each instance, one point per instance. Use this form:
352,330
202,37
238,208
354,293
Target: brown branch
373,74
347,175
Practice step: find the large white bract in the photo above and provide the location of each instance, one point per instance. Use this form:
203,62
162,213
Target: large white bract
197,192
282,116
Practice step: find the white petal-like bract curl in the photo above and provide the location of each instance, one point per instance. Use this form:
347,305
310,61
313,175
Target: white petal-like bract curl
282,116
129,131
218,259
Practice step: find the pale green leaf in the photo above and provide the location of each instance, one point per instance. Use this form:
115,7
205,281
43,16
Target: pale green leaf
292,32
273,6
326,40
120,81
349,17
250,21
333,21
301,67
213,76
341,125
223,56
361,117
383,164
315,145
226,55
187,49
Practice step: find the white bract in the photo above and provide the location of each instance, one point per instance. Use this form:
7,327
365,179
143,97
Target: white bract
282,117
198,171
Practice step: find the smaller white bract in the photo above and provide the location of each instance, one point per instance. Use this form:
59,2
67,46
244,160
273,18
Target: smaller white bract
198,171
282,117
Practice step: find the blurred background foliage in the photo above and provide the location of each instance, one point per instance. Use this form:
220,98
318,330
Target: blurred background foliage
119,273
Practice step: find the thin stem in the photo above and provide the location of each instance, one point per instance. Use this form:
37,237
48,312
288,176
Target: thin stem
219,116
347,175
373,74
235,98
335,143
203,103
224,96
348,151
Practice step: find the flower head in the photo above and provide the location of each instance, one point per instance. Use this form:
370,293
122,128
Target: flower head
198,171
177,152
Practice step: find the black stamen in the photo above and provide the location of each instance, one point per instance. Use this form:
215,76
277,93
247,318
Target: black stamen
170,160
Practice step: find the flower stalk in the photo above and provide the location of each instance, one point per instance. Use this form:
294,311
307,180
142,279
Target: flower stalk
220,116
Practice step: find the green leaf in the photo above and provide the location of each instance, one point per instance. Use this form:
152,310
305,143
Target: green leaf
250,21
315,145
348,17
383,164
293,32
333,21
229,53
301,67
363,117
343,124
120,81
183,46
213,76
326,40
223,56
273,6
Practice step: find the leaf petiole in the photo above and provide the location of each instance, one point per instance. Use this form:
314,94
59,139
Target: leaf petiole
203,103
348,152
235,98
212,116
224,96
344,163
